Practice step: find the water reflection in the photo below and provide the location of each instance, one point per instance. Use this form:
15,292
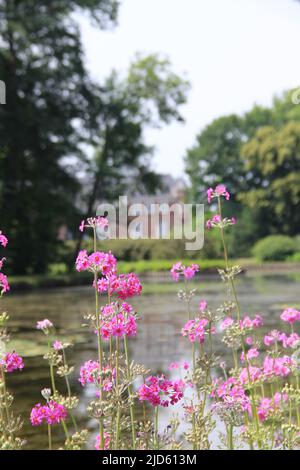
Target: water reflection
158,342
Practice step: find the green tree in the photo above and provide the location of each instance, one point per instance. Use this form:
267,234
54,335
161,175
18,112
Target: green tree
148,96
272,158
51,108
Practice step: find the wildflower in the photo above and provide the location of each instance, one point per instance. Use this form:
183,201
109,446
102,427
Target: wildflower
272,337
99,261
290,341
185,365
44,325
188,272
290,315
202,306
57,345
52,413
174,365
219,191
124,286
251,354
4,285
255,374
195,329
2,262
267,406
93,222
247,323
90,374
161,391
12,361
119,325
280,366
3,239
249,340
106,442
226,323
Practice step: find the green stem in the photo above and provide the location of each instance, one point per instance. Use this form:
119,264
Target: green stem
117,389
130,393
156,429
49,437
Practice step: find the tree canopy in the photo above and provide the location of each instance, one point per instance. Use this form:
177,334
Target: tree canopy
54,111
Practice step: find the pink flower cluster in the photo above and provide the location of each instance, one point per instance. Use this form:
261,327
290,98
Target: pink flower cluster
90,374
3,239
267,406
245,324
51,413
4,285
253,353
106,442
195,330
44,325
117,320
106,263
12,361
161,391
230,391
219,191
287,341
124,285
290,315
216,220
93,222
278,367
188,272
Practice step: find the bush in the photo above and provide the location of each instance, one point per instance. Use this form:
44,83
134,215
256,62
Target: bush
274,248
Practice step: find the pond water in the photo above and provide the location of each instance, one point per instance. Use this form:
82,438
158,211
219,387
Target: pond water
157,345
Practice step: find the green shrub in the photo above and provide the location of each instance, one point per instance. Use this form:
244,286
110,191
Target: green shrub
274,248
295,257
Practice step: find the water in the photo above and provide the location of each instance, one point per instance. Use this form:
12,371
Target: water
157,345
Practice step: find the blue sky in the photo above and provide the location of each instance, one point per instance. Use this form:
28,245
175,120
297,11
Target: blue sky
234,52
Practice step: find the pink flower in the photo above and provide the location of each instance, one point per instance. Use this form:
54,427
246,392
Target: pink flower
90,374
247,323
188,272
290,341
290,315
52,413
278,367
106,442
254,373
4,285
251,354
195,329
117,320
249,340
93,222
3,239
2,262
202,306
12,361
174,365
267,406
161,391
44,325
219,191
226,323
57,345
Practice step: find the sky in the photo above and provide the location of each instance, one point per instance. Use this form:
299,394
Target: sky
235,53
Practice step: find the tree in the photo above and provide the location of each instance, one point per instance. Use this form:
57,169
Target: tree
51,108
273,164
149,96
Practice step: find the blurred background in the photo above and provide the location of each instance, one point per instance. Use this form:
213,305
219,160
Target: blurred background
107,97
156,100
